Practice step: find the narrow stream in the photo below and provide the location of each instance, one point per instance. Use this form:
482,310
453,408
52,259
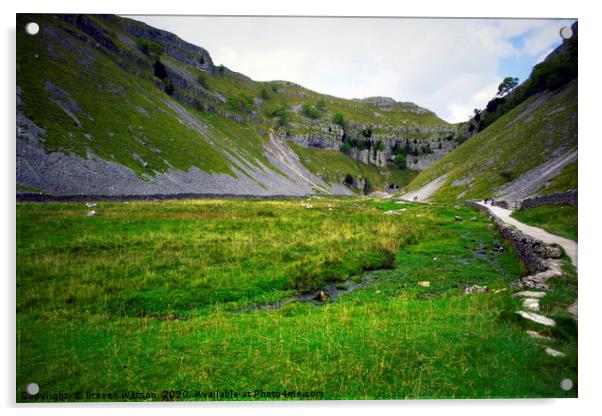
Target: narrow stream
332,291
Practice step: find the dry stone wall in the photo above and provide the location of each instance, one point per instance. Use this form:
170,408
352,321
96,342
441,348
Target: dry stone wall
533,253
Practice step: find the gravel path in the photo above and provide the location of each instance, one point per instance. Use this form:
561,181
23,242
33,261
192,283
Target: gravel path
426,191
569,246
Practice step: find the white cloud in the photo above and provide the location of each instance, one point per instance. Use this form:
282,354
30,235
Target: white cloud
542,39
447,65
462,110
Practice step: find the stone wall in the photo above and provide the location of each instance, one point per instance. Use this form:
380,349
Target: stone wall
558,198
533,253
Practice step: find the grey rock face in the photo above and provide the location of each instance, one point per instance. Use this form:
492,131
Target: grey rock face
530,182
424,152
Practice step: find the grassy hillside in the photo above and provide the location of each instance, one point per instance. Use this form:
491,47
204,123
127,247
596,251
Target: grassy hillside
194,296
143,98
566,180
87,102
540,128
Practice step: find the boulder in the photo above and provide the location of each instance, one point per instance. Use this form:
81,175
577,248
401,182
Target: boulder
552,252
552,352
322,296
537,335
475,289
539,319
531,303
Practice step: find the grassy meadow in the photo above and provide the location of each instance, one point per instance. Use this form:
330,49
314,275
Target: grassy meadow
190,297
556,219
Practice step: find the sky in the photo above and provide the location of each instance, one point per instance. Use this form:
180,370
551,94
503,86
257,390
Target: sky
449,66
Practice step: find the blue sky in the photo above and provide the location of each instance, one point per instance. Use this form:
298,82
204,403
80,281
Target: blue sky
520,65
449,66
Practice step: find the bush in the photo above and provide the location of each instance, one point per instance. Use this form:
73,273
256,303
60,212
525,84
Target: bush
221,69
368,186
150,48
459,137
348,179
346,148
367,132
264,94
241,102
281,113
339,120
400,161
321,105
274,87
309,111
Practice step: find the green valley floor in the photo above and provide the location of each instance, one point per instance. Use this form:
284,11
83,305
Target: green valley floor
318,298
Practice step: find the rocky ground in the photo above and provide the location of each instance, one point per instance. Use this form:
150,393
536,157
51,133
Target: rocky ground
530,182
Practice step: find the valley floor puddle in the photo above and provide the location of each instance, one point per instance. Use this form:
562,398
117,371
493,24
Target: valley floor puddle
331,292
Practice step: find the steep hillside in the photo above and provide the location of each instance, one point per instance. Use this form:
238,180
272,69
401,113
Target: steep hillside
531,148
108,105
